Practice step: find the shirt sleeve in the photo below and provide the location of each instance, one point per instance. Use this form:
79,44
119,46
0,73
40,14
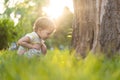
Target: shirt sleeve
30,35
34,38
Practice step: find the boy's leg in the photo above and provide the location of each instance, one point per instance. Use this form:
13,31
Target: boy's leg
32,52
21,50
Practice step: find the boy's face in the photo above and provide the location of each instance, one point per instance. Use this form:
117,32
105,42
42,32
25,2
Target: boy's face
45,33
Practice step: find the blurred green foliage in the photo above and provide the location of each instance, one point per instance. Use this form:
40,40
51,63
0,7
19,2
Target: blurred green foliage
28,14
58,65
7,32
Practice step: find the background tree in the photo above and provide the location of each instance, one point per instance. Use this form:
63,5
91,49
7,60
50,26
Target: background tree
7,32
96,26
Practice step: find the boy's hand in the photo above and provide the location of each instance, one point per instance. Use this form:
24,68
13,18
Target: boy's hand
36,46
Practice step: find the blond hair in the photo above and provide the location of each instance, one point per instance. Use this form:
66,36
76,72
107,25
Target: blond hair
44,23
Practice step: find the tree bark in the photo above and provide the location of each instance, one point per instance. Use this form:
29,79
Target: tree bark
110,27
83,26
96,26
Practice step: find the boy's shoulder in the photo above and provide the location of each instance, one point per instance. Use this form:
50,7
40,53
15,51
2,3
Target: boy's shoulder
32,35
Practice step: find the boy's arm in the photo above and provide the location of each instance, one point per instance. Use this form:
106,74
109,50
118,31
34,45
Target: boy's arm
25,41
43,48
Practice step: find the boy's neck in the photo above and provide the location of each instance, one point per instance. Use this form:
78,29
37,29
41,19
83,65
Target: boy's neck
37,34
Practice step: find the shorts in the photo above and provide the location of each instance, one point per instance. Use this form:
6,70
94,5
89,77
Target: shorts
32,52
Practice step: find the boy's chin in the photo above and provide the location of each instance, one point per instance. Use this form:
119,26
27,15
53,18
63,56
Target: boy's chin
45,38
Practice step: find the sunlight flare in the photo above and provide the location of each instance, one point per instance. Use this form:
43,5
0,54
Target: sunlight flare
56,7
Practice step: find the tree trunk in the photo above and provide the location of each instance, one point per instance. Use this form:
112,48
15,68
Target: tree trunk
110,27
96,26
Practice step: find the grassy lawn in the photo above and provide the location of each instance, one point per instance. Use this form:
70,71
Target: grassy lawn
58,65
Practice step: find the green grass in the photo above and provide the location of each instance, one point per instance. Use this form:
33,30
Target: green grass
58,65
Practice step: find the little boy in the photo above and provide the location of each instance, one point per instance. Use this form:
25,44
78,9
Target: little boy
32,44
